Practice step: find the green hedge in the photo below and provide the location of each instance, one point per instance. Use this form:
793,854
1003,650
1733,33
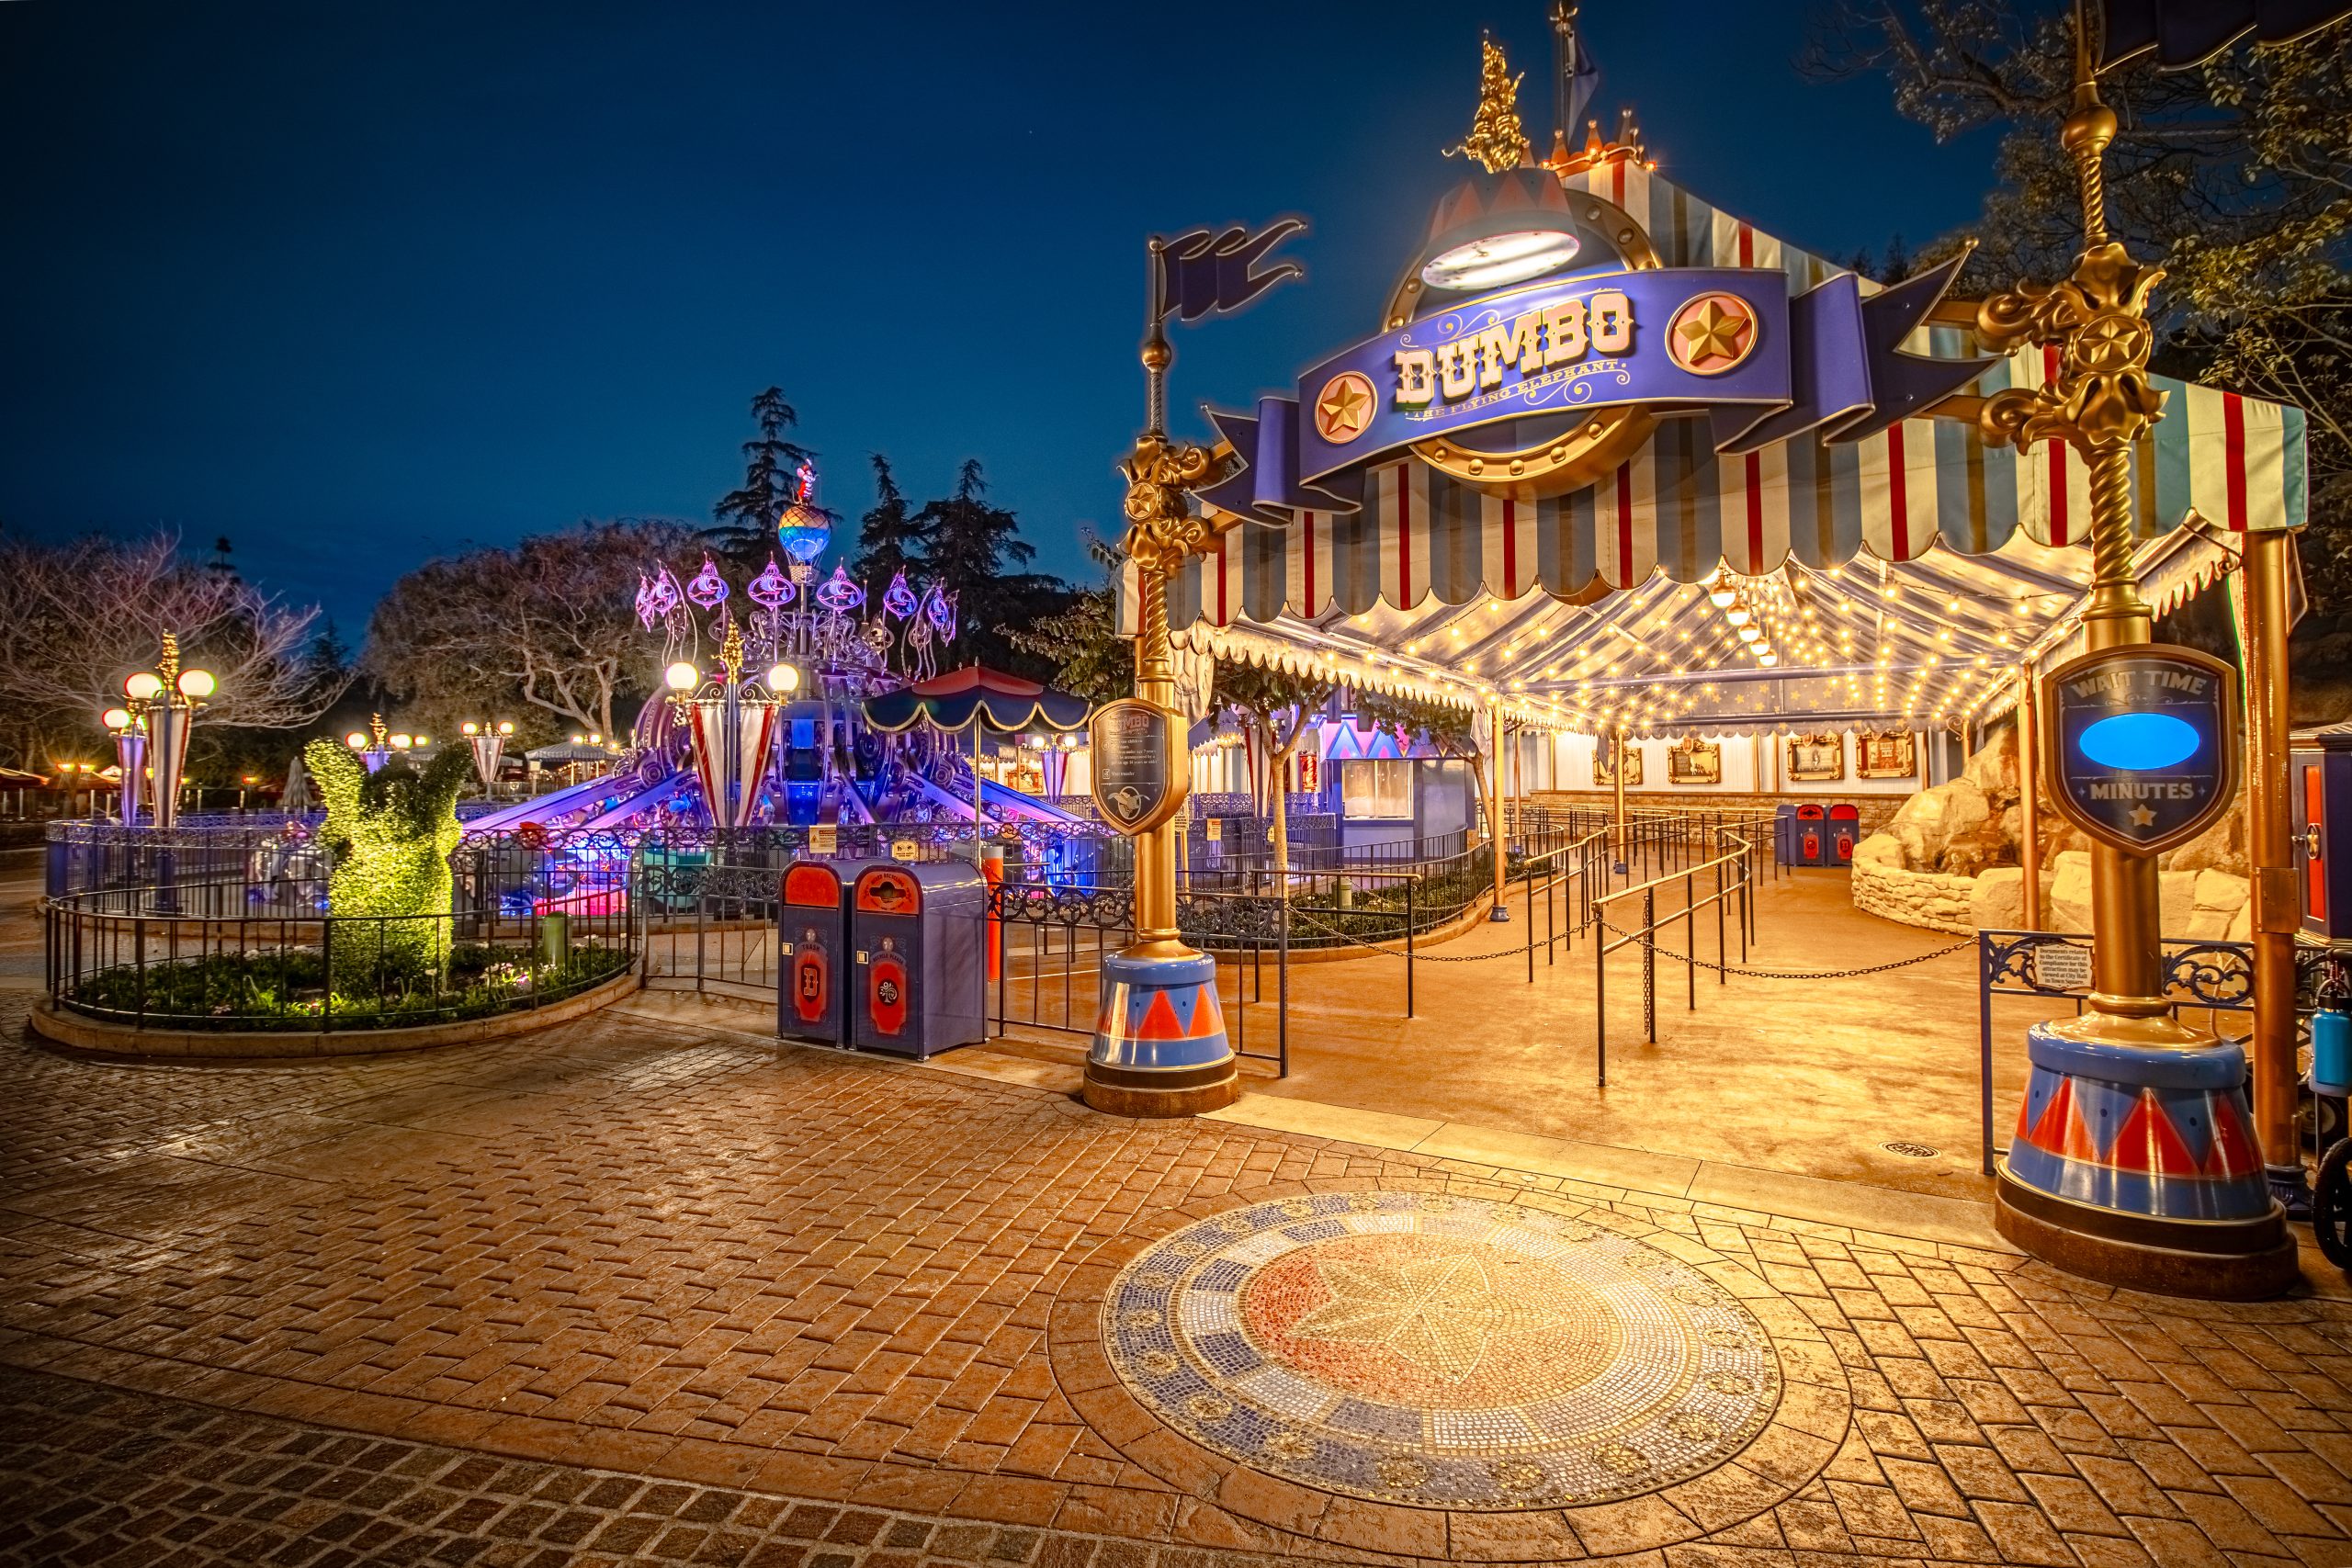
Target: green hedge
286,990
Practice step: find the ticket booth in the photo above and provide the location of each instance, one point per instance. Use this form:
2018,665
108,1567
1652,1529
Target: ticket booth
918,941
2319,773
1813,836
813,951
1844,831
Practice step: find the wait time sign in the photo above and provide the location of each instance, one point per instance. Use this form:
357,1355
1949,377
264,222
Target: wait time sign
2142,743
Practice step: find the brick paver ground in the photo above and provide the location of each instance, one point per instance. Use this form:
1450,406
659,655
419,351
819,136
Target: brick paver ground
770,1275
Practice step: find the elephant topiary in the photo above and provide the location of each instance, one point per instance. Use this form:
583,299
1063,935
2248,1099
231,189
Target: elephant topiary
390,832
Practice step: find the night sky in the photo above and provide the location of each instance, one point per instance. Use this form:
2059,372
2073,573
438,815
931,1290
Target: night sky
356,284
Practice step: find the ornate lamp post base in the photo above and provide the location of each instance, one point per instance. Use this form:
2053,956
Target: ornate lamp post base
2135,1163
1159,1044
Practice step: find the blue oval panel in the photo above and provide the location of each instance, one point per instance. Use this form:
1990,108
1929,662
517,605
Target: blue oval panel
2135,742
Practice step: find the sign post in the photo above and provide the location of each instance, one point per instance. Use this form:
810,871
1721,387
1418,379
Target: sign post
1160,1045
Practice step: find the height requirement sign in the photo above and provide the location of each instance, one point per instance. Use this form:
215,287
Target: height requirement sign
2142,743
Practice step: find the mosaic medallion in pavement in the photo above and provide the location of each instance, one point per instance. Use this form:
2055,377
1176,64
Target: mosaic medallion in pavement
1440,1351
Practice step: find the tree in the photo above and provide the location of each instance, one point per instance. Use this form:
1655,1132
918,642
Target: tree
971,547
1082,646
2236,179
75,618
1274,705
549,619
889,540
747,515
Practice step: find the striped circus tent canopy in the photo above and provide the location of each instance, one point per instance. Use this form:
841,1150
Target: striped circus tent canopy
1677,509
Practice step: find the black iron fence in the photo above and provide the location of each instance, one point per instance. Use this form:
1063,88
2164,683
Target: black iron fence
208,956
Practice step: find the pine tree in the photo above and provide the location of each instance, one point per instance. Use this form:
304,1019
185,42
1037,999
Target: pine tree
1897,266
889,538
746,532
974,551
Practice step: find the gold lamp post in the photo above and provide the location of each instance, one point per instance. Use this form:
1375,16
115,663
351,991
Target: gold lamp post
164,701
2076,1189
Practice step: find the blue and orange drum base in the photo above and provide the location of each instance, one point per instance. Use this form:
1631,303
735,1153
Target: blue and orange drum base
1159,1043
2135,1163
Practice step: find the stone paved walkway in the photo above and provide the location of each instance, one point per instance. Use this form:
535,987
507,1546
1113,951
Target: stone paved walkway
776,1277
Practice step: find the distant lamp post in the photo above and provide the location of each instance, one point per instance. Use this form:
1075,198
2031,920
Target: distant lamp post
130,755
489,743
732,721
375,747
164,700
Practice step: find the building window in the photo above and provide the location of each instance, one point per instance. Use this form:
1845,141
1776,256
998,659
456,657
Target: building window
1376,789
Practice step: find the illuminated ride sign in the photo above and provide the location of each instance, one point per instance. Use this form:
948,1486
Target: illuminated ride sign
2142,743
1713,335
1535,385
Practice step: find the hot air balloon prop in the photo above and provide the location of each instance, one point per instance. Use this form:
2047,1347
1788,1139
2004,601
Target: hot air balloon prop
803,530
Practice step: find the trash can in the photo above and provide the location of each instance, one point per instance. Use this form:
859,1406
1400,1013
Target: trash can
1845,827
1784,834
918,935
1812,847
812,951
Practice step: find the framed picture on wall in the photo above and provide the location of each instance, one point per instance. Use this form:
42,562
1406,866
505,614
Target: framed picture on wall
1604,778
1816,759
1691,761
1893,755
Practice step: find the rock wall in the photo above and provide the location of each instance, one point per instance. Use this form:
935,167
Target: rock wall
1948,860
1883,885
2198,905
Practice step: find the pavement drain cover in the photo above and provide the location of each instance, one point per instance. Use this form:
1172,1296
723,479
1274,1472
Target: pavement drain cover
1446,1353
1910,1151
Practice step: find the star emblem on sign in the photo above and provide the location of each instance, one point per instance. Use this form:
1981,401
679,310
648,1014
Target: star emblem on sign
1712,334
2142,817
1344,408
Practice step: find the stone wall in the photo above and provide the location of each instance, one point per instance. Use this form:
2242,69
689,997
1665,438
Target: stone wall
2198,905
1882,886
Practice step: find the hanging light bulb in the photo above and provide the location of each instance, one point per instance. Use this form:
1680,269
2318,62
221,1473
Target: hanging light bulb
1750,634
1739,614
1721,594
1767,658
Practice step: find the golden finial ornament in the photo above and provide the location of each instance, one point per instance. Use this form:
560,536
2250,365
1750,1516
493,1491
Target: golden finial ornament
1497,141
730,651
170,662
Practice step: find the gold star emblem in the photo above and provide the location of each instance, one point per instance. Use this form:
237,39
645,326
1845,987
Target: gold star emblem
2142,817
1344,408
1712,332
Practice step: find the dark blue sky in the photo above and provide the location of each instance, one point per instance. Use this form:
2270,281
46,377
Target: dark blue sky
360,283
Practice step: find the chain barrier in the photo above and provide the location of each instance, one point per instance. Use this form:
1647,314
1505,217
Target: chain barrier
1639,939
1520,951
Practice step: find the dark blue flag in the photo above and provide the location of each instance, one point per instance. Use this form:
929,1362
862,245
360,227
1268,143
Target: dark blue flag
1205,272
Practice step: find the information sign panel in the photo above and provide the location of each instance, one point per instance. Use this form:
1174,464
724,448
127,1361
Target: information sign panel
1138,767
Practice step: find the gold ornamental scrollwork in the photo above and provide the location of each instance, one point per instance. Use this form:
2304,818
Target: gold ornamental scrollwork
1163,528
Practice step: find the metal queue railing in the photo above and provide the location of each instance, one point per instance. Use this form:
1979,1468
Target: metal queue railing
1734,866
